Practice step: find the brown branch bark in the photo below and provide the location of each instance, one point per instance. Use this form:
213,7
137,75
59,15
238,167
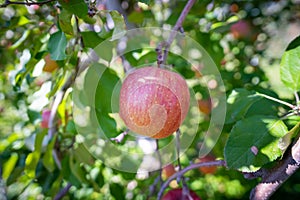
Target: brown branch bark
63,192
273,178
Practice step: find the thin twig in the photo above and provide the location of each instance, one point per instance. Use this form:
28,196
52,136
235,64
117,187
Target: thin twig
276,100
185,170
153,187
8,2
273,178
177,28
63,192
186,191
158,181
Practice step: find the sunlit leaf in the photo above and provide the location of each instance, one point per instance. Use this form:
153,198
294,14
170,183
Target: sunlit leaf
290,69
23,20
9,165
253,142
33,158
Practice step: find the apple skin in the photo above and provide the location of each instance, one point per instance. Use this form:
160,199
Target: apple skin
50,65
243,30
168,171
176,194
210,169
154,101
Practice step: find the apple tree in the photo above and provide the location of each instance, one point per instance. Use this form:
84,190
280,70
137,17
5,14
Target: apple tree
144,99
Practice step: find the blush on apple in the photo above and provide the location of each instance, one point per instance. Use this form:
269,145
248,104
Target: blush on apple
176,194
154,101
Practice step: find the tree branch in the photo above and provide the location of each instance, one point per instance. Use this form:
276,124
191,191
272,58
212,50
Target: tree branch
8,2
63,192
185,170
273,178
177,27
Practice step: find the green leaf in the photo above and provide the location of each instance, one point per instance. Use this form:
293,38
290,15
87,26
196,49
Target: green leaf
242,103
119,23
106,86
295,43
290,69
136,17
65,22
23,20
117,191
76,7
287,139
57,45
148,2
77,170
83,155
48,160
238,103
68,173
253,142
33,158
91,39
9,165
33,115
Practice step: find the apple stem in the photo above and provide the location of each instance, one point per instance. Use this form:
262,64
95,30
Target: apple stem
158,180
186,192
276,100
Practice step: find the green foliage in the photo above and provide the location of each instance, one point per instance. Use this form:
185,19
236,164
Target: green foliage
255,134
289,71
57,45
253,142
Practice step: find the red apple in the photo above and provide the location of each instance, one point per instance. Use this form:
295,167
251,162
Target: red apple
176,194
154,101
168,171
210,169
243,30
45,118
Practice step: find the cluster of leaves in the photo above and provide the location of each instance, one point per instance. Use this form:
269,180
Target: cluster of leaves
34,165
